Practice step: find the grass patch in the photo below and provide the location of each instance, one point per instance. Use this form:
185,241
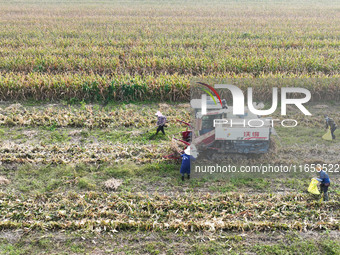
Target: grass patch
140,242
161,177
59,178
299,246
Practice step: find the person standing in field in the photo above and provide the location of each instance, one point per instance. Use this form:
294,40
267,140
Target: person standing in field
161,121
185,166
330,124
324,182
189,154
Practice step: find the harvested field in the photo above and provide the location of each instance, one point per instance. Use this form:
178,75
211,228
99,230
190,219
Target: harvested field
81,171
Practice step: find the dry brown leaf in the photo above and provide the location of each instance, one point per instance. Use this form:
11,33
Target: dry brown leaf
4,181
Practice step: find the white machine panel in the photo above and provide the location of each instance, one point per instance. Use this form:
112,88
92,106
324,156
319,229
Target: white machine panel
241,133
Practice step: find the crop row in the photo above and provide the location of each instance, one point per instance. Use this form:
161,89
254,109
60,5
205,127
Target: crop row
90,116
76,153
191,40
121,117
64,153
223,63
105,88
107,212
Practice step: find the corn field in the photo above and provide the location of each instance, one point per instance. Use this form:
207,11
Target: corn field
81,167
115,52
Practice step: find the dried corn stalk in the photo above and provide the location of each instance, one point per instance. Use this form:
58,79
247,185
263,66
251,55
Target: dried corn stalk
112,184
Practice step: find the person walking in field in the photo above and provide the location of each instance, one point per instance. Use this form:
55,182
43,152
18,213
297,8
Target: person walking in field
324,182
161,121
330,124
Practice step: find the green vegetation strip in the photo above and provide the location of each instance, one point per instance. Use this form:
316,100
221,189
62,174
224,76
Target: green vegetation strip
175,88
96,211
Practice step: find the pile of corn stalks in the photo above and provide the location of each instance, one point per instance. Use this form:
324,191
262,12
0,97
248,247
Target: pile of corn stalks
96,211
88,116
75,153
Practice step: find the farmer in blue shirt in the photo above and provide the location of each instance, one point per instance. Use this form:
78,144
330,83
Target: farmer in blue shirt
324,182
189,154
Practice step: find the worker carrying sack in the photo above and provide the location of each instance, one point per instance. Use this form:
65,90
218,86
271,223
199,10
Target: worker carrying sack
328,135
313,187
